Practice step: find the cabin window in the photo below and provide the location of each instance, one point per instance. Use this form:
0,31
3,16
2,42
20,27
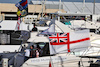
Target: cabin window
9,37
95,31
44,48
92,30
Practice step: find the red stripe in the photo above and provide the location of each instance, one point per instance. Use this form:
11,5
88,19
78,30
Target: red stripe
58,37
68,40
23,4
71,42
18,23
18,27
79,40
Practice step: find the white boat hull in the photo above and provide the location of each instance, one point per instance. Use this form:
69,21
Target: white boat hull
56,61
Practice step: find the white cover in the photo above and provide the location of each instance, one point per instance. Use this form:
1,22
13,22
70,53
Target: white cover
73,36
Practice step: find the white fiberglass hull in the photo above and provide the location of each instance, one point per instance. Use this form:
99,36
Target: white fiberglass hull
56,61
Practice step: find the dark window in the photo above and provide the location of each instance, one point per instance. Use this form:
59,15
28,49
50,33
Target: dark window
10,37
10,18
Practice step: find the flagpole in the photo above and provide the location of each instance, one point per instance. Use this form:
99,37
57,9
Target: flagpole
50,54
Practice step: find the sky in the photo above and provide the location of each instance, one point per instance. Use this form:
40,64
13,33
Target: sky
15,1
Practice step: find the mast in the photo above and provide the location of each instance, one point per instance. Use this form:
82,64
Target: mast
83,5
59,10
94,8
42,7
59,5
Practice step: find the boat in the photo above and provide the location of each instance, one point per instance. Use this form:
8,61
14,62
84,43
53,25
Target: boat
44,60
66,59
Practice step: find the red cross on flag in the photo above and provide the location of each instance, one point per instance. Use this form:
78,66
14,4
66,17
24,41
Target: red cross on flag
67,42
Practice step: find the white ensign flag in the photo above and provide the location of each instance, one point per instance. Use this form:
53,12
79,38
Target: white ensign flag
68,42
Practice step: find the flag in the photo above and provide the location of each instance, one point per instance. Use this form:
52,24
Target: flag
69,42
18,23
24,4
49,31
22,7
19,6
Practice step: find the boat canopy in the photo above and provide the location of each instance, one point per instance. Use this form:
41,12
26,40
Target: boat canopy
35,39
8,25
63,28
11,25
